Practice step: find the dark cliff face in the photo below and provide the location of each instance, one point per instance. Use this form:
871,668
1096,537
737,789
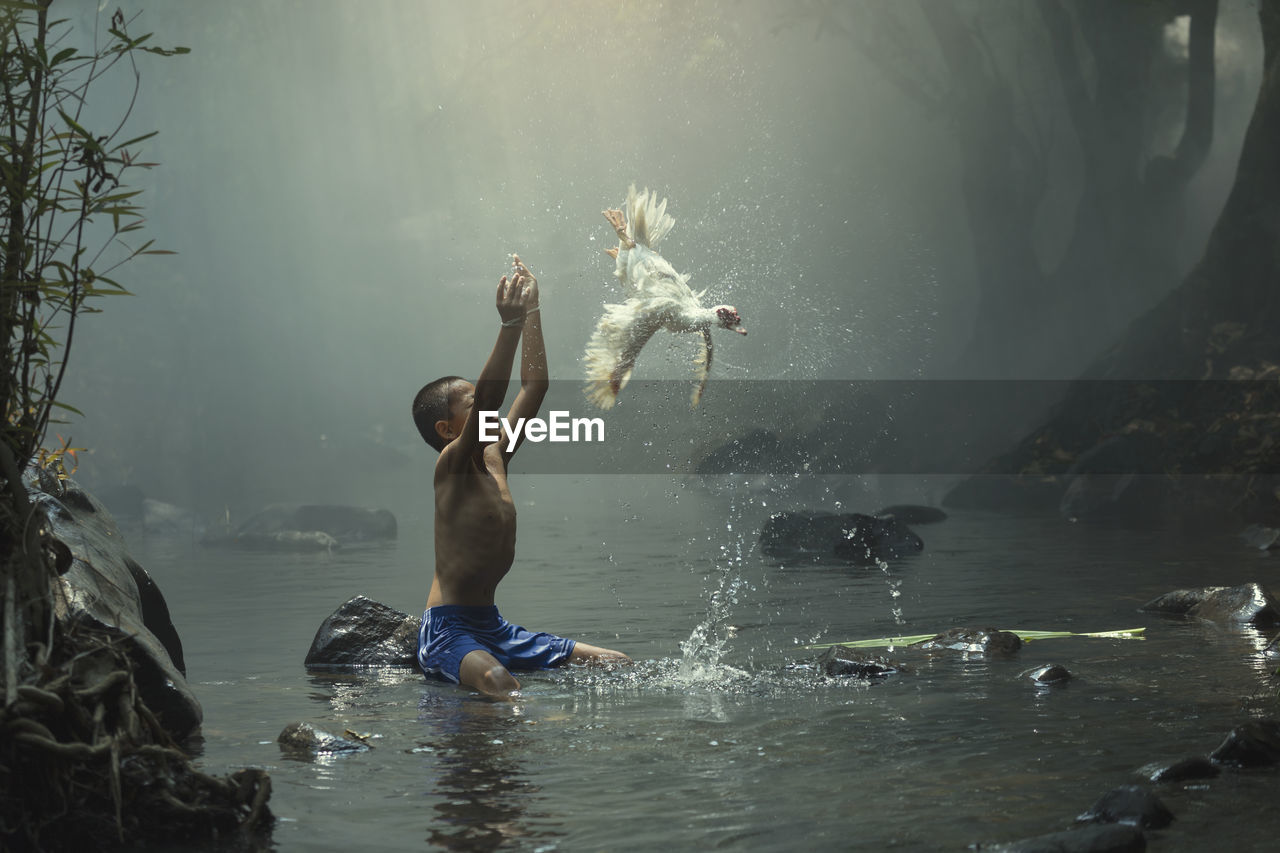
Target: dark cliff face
102,587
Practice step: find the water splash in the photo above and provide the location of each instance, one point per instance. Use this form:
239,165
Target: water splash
705,647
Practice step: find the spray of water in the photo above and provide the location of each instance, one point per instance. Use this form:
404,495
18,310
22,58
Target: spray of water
703,651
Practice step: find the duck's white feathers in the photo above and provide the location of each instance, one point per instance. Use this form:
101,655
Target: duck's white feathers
658,298
647,220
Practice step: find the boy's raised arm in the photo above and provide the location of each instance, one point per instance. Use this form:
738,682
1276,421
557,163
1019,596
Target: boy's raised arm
491,385
534,377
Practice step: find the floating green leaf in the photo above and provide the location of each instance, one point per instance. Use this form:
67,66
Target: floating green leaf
1024,635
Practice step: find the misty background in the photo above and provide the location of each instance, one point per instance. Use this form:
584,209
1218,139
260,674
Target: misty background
344,183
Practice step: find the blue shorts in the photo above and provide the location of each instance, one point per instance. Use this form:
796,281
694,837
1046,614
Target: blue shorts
449,632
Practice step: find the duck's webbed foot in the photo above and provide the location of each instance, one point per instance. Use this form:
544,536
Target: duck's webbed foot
613,253
619,223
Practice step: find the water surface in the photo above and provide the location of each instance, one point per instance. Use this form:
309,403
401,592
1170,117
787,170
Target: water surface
720,737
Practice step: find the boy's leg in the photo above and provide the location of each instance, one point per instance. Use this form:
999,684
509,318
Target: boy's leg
481,671
583,653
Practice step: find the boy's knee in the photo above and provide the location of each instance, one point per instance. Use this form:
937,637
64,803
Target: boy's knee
482,672
496,681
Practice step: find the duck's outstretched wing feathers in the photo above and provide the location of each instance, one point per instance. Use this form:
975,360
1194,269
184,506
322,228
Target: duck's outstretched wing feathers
612,351
647,219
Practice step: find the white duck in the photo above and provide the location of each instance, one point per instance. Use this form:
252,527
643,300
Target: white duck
658,298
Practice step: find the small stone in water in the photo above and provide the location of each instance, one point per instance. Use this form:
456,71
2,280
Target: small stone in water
1050,673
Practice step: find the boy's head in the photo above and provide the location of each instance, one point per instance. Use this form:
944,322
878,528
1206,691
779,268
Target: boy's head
441,408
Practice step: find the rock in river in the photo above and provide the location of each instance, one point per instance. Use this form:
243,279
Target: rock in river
1133,804
1096,838
1253,744
310,527
1248,603
989,641
850,536
1182,770
103,587
1049,674
306,739
843,661
363,632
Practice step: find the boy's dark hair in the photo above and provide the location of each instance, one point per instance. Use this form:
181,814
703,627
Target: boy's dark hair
432,405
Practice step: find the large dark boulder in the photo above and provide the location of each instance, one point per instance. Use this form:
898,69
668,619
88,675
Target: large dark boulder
852,537
310,527
363,632
103,588
1248,603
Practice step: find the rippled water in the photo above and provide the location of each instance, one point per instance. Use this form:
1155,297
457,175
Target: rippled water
720,737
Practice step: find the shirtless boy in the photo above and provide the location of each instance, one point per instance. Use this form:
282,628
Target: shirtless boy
463,638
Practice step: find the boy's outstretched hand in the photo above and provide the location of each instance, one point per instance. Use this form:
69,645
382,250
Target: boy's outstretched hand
517,294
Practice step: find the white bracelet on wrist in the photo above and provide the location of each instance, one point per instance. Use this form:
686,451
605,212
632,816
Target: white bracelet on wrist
519,321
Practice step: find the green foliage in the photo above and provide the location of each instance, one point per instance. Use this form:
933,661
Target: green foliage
68,219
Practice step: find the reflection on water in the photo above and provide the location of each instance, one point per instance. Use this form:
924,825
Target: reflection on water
472,750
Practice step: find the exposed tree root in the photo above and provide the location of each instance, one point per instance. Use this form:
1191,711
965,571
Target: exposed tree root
85,764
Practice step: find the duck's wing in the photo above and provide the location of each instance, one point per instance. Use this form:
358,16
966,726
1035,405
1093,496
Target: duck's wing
612,351
702,364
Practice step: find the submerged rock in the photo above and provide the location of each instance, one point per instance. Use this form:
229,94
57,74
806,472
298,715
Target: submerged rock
1253,744
1132,804
163,519
987,641
1262,538
101,586
914,513
1098,838
851,536
363,632
310,527
844,661
304,738
1248,603
1182,770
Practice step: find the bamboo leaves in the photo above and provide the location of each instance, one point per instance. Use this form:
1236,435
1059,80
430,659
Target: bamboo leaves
65,209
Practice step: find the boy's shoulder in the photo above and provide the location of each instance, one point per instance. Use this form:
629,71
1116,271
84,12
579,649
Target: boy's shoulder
452,460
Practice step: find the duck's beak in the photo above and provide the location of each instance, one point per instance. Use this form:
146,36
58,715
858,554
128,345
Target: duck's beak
740,330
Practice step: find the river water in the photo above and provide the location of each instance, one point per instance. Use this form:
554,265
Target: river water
719,737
